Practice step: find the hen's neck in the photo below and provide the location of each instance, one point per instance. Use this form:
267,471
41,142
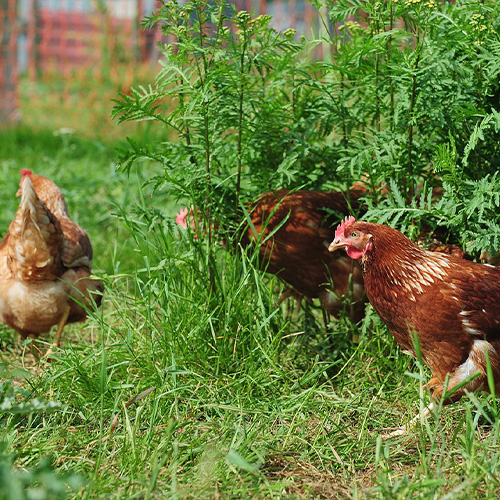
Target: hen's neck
401,263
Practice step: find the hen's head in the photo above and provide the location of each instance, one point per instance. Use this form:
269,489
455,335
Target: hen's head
350,235
24,173
189,217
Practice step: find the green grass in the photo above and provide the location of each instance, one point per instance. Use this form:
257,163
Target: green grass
54,101
241,401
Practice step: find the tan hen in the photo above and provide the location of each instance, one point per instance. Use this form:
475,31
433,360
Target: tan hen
45,263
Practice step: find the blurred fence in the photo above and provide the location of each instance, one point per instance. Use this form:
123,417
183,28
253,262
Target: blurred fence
64,51
8,60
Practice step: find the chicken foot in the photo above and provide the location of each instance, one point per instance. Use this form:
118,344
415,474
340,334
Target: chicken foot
401,431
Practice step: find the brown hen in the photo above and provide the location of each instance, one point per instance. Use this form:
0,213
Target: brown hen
293,230
45,263
451,304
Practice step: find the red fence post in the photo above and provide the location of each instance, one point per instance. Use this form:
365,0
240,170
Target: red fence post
31,48
9,74
141,33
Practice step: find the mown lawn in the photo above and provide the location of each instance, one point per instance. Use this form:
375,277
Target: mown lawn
176,390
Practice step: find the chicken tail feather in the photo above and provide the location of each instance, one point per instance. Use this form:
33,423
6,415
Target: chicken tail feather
35,238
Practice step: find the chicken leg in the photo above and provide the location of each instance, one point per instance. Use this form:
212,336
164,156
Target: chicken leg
59,331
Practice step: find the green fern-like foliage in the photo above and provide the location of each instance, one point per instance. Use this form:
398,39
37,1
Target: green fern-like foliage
467,206
403,96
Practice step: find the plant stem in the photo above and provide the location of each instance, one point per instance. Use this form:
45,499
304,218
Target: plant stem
240,123
391,91
202,74
411,117
377,93
344,125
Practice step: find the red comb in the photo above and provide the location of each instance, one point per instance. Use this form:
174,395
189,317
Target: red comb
181,217
348,221
25,171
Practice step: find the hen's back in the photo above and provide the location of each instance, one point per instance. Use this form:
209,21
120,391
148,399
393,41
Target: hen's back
293,231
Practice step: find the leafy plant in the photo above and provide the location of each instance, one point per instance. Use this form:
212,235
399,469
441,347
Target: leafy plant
10,403
251,111
224,81
468,207
40,482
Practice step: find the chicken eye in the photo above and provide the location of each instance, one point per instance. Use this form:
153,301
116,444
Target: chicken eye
354,234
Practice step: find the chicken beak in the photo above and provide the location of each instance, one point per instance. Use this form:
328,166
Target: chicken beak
335,245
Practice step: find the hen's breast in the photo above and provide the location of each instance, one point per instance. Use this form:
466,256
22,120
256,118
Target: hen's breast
30,308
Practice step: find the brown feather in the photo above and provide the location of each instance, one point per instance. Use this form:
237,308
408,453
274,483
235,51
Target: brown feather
77,249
